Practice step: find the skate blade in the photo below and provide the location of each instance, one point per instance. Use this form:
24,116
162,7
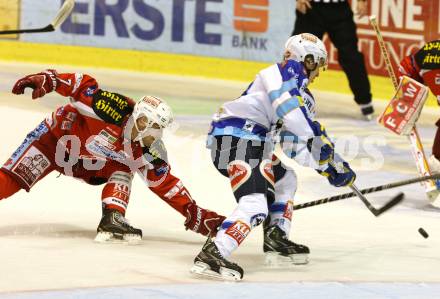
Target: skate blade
276,260
109,238
203,270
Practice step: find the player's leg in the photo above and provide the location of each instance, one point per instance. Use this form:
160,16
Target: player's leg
113,226
277,246
31,162
242,161
310,22
342,32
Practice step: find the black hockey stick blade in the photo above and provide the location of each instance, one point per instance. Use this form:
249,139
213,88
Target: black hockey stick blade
61,16
393,202
48,28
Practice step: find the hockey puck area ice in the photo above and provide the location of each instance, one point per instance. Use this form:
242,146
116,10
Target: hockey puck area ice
423,233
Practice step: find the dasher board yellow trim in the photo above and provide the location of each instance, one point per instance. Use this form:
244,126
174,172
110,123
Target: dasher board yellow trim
176,64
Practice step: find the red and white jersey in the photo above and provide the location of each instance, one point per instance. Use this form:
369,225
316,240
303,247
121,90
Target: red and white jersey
424,66
97,118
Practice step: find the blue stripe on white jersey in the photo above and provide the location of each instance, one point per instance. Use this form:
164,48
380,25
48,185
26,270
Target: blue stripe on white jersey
288,106
286,86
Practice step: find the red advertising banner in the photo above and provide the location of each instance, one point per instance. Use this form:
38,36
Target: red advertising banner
405,26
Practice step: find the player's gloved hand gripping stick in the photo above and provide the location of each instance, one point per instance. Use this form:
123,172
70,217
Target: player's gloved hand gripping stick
376,212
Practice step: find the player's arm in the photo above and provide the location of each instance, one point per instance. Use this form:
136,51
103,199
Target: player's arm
303,139
67,84
171,190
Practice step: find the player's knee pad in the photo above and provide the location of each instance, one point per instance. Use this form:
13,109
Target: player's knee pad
246,180
116,192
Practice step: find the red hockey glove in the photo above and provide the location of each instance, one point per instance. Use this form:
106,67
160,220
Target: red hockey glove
41,83
202,221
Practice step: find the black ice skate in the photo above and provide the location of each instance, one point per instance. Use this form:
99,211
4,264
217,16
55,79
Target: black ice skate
209,263
114,228
280,251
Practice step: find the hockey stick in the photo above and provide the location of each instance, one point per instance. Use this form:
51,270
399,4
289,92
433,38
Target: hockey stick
365,191
62,15
376,212
414,138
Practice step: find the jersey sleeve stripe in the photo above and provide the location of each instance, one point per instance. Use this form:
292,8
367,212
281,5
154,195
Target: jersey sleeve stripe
286,86
78,80
85,110
288,106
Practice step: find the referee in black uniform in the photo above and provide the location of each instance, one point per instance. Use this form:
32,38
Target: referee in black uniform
335,18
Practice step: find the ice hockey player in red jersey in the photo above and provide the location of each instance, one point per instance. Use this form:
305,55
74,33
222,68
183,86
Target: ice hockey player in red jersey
102,138
423,65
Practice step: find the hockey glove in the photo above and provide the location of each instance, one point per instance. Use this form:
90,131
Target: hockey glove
41,83
202,221
341,176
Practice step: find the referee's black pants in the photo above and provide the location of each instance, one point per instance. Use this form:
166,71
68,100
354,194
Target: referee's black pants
336,19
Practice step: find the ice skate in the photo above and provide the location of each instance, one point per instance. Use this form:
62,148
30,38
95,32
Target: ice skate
209,263
114,228
280,251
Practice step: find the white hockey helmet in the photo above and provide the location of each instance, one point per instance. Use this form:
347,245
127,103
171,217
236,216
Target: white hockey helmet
156,111
308,49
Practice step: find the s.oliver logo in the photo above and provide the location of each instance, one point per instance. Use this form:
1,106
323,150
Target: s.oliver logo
173,19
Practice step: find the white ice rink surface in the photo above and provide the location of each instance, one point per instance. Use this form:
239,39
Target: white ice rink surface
46,246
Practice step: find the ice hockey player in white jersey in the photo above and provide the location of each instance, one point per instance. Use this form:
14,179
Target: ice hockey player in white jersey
242,141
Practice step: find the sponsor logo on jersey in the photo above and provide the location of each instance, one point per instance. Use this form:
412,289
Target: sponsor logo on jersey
31,137
288,211
238,231
111,107
161,170
431,59
91,90
239,172
97,148
257,219
31,166
267,171
106,139
437,79
249,126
